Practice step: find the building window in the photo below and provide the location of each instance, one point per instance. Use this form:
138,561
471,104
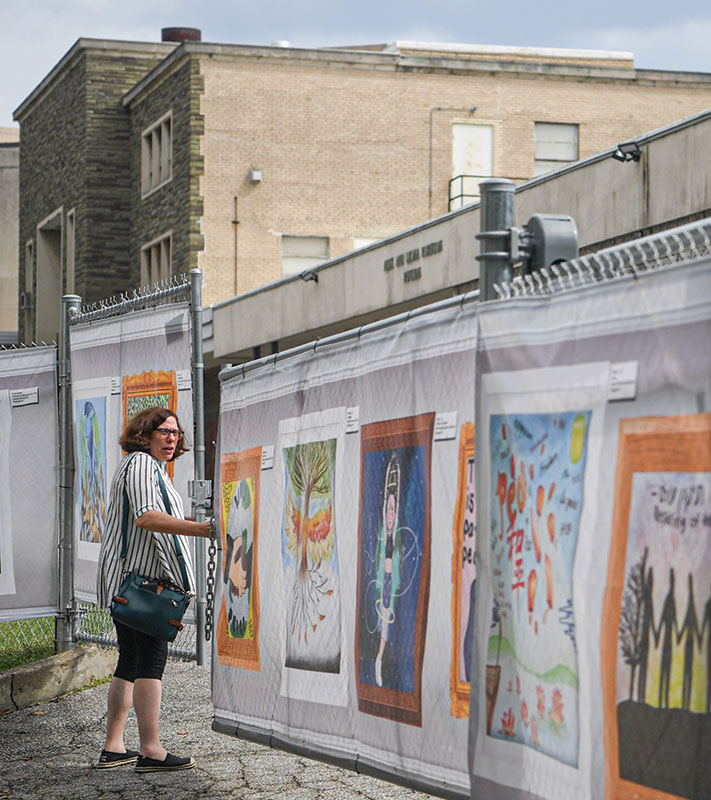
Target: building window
556,144
156,260
26,301
71,237
157,154
301,252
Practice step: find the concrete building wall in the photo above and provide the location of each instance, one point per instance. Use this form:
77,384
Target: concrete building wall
9,222
343,144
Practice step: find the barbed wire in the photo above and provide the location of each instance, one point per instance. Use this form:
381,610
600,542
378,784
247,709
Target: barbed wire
173,289
649,254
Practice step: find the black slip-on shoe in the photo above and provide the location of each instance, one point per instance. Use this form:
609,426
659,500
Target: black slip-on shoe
169,763
107,759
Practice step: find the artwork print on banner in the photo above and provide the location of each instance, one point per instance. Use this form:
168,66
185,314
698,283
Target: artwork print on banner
537,478
310,558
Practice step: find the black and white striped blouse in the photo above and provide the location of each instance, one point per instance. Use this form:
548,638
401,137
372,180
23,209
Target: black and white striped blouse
149,553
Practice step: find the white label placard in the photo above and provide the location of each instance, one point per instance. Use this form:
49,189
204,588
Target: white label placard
623,381
24,397
445,426
184,379
268,456
116,385
353,419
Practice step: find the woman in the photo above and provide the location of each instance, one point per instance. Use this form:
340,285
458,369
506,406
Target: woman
150,439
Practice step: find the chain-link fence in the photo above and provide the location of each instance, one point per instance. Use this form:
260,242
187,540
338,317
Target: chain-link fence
56,608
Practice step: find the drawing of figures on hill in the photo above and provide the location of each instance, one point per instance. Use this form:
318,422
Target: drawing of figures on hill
665,615
310,558
656,647
537,480
393,569
238,621
90,415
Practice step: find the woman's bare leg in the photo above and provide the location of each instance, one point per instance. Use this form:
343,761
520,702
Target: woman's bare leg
120,701
146,701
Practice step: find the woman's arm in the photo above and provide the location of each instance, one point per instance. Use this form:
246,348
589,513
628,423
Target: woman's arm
160,522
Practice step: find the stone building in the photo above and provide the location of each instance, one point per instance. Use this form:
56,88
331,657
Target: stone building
9,202
144,160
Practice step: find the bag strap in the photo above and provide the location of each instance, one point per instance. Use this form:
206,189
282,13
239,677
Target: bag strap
168,508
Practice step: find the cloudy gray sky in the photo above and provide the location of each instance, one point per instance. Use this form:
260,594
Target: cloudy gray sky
34,34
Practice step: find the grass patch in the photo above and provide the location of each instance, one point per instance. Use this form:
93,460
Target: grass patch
26,640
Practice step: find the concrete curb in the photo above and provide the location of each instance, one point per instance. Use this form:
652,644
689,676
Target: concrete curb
52,677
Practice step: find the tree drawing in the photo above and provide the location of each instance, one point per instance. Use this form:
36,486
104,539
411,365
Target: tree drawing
631,627
309,529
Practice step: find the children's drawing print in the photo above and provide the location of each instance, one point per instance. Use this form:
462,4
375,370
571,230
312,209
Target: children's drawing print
657,639
537,477
310,558
393,566
150,389
90,417
238,620
463,576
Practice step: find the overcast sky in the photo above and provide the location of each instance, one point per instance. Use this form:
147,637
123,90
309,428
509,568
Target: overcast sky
35,34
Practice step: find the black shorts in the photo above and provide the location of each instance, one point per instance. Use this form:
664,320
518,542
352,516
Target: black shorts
140,656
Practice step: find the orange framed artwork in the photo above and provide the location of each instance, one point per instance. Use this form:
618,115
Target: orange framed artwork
150,389
463,576
238,619
656,634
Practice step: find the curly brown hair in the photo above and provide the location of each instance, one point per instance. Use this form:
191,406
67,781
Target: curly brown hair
139,429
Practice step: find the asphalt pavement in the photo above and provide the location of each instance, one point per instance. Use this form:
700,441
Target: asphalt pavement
48,751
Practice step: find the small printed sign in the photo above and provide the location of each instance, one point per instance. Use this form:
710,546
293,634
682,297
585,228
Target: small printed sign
184,379
24,397
445,426
623,381
353,419
116,385
268,456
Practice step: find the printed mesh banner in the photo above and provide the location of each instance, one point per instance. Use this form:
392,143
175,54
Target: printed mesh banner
592,637
28,483
344,602
120,366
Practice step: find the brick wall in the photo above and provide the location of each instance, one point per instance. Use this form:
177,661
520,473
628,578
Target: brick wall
345,150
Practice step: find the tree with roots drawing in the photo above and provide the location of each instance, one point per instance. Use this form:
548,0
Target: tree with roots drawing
309,531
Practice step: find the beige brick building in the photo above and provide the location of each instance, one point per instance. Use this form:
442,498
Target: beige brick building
257,162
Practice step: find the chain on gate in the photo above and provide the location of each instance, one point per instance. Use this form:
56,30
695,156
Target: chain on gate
210,582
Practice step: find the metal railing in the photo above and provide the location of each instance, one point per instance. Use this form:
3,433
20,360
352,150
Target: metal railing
468,183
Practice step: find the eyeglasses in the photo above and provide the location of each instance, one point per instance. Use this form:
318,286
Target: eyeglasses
166,432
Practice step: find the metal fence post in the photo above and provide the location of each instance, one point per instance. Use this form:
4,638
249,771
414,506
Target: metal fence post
200,491
71,304
496,218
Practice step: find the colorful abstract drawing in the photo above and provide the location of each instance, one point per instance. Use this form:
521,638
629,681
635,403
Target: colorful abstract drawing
238,621
656,641
537,477
147,390
310,558
393,566
463,576
90,416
